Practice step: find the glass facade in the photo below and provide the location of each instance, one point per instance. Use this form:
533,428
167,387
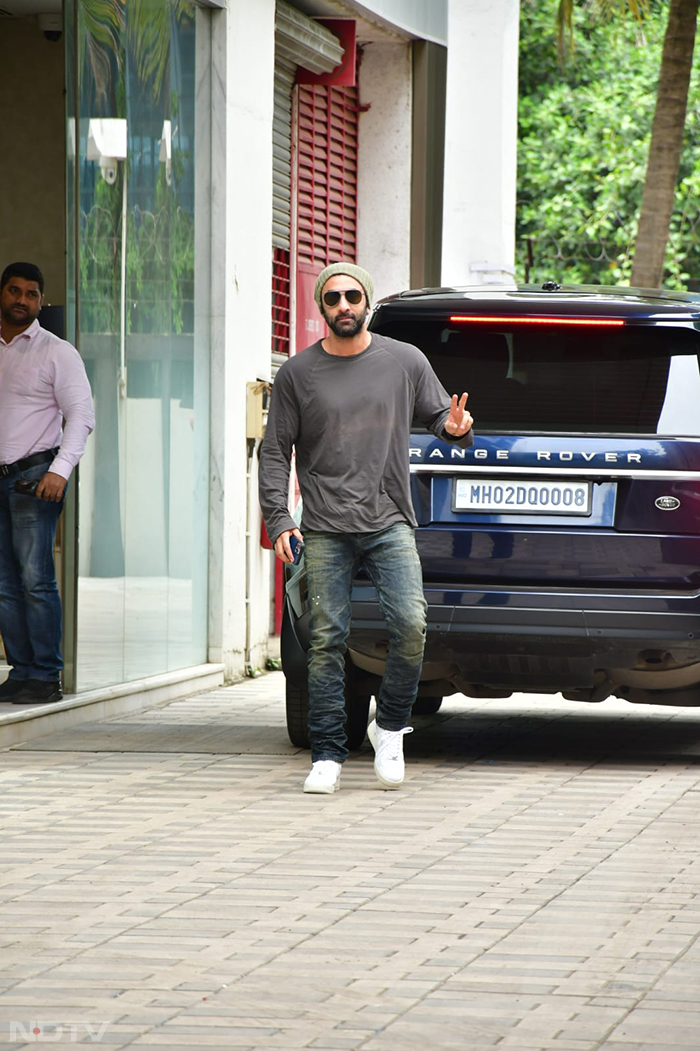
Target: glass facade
134,179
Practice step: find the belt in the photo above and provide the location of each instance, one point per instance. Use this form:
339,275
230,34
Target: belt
29,461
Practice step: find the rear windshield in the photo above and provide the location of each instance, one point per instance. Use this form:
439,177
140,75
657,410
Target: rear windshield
631,380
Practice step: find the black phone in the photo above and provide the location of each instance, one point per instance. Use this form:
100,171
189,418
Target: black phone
26,486
297,547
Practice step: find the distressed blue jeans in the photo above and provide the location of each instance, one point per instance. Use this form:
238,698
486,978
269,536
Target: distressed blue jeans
30,605
392,562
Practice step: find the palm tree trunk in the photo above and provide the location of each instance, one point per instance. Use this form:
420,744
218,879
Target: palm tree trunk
666,145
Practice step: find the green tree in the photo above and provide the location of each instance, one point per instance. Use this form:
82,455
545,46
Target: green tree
102,25
100,28
160,242
604,10
666,144
583,147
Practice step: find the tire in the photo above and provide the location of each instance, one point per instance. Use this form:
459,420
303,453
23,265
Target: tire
356,712
297,704
426,705
292,652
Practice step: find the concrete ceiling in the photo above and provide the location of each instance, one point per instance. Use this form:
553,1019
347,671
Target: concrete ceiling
26,8
369,29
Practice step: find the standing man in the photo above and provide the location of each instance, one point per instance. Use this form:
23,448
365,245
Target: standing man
346,405
46,415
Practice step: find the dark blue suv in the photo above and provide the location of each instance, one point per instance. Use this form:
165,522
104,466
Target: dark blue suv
561,552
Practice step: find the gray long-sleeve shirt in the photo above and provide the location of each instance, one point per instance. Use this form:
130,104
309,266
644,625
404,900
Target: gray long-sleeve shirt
350,421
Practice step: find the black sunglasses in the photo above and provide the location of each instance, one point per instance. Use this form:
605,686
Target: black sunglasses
352,295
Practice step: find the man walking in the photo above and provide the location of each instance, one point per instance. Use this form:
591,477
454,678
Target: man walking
346,404
46,415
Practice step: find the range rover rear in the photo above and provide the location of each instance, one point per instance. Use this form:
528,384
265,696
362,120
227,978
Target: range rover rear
561,552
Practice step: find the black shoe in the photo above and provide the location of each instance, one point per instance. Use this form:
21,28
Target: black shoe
10,688
39,691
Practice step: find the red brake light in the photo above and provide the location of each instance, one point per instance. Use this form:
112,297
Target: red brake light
596,322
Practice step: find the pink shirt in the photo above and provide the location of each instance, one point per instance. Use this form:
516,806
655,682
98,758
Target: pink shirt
42,384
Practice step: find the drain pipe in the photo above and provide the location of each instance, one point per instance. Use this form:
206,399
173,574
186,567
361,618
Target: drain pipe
252,444
257,395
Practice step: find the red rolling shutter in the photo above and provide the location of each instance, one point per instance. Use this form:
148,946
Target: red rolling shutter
326,175
280,302
300,42
326,193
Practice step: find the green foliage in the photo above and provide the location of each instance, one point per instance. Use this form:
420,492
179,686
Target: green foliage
603,11
160,262
100,249
103,25
149,26
100,31
583,139
159,237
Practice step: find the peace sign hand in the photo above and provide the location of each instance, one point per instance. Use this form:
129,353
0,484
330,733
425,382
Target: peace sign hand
460,420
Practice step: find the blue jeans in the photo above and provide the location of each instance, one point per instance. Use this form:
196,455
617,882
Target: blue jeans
391,559
30,606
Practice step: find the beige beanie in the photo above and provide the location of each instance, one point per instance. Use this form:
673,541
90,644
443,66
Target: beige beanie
350,270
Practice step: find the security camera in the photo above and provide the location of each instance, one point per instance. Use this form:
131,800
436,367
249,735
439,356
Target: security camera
109,167
51,26
107,145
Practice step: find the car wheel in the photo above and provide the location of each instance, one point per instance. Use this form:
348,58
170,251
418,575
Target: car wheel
357,703
426,705
297,703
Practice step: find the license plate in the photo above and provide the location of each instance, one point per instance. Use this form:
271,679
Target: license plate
530,497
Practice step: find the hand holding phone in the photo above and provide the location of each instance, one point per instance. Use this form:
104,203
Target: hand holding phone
297,547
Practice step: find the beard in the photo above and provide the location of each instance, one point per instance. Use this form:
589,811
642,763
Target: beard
340,326
16,315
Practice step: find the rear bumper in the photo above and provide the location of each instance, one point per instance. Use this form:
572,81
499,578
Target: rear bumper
570,615
539,642
542,641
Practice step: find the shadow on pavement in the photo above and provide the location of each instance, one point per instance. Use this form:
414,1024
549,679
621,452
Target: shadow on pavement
565,731
524,729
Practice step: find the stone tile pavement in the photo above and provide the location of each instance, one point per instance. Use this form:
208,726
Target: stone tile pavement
535,885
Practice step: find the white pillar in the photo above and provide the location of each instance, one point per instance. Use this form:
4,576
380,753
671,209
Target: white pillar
384,166
478,245
243,45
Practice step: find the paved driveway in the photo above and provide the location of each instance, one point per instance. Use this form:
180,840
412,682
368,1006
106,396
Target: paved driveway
535,884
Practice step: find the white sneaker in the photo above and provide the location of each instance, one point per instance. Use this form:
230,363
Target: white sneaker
324,778
388,747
